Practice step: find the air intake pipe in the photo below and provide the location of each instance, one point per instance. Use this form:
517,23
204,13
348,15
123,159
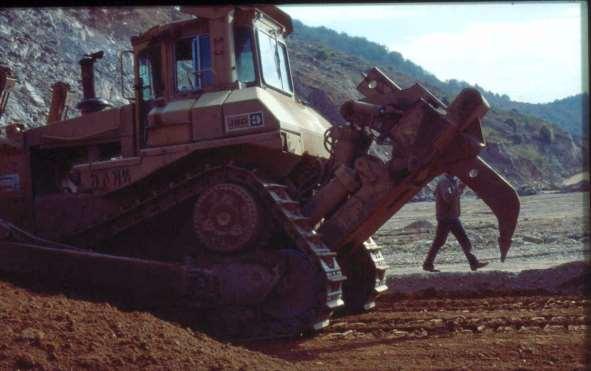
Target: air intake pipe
90,103
58,102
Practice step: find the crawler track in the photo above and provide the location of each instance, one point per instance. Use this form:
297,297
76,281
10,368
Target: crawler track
309,266
267,322
365,269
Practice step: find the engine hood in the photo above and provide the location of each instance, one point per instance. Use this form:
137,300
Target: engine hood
298,122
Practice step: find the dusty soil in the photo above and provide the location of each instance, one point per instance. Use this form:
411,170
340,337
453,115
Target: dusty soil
532,332
552,229
50,330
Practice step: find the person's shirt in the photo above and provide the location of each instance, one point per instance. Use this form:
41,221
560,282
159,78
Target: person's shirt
447,199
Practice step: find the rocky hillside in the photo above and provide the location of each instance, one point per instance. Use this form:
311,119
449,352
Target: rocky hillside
526,149
44,45
570,113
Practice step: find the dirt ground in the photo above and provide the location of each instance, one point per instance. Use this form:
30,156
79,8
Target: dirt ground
551,229
534,332
52,331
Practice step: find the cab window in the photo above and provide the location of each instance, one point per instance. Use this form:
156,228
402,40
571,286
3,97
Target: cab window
185,73
243,48
274,62
149,73
193,63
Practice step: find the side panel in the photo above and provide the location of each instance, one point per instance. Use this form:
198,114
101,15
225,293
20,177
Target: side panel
302,127
207,116
239,113
170,124
99,126
13,183
109,176
126,129
245,112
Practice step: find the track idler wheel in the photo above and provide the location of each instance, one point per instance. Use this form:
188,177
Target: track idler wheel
228,217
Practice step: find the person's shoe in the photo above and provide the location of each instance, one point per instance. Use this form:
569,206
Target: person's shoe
478,265
429,267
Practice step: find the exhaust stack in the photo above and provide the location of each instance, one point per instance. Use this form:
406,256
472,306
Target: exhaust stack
90,103
58,102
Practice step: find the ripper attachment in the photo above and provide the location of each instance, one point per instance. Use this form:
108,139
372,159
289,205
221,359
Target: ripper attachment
426,137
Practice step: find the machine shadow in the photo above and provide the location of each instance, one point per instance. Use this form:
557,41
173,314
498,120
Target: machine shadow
288,349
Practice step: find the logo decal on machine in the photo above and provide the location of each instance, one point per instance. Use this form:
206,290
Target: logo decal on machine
244,121
10,183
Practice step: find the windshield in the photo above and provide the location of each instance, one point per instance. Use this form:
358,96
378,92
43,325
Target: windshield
274,62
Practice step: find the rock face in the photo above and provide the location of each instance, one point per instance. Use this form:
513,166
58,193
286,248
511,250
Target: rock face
577,182
44,45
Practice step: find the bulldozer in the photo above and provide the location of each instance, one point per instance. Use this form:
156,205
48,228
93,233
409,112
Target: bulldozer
218,188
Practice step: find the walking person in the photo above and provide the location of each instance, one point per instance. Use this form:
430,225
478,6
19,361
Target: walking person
447,205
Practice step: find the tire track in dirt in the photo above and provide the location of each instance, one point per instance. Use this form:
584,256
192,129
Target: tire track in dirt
504,332
429,317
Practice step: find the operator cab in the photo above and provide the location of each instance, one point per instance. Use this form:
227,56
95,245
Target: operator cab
224,49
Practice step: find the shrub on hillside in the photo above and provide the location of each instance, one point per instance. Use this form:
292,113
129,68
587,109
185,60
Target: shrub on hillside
546,134
321,54
511,123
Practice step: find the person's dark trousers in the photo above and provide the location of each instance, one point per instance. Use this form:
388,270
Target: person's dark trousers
443,228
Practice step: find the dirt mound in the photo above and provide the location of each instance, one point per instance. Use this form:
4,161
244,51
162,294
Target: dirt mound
419,225
568,278
46,331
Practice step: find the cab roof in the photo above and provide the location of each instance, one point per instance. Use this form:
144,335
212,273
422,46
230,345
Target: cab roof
160,31
204,12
